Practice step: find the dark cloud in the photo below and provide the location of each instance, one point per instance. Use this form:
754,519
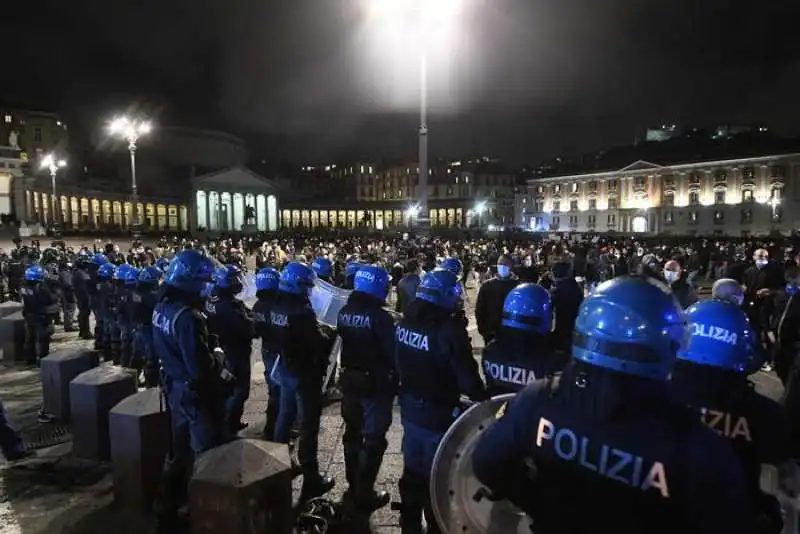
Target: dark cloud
529,79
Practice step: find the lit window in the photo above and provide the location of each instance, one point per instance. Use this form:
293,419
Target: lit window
8,119
37,134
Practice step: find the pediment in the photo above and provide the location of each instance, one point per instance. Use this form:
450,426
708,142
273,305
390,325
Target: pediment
640,165
234,179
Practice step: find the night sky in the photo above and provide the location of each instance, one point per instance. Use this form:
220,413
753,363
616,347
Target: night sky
307,79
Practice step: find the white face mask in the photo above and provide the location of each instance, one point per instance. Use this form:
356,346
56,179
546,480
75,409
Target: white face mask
761,263
671,276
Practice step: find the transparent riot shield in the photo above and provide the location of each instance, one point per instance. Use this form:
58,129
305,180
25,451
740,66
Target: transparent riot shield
460,502
327,300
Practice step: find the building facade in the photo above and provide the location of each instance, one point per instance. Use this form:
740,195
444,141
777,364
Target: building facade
33,132
735,197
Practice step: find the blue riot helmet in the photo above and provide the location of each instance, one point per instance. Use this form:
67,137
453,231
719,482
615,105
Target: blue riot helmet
106,271
132,276
208,287
121,273
296,278
528,307
719,336
440,287
352,268
228,277
322,267
150,275
162,264
372,280
453,265
189,271
632,325
99,259
34,273
267,279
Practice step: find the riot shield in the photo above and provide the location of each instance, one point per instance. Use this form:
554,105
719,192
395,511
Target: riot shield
460,502
327,300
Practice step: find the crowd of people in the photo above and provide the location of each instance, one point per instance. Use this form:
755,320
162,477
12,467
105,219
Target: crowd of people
632,394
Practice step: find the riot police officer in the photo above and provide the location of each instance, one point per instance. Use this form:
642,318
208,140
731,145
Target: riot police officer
368,383
455,266
230,322
435,366
267,281
711,376
350,271
323,268
603,447
97,283
67,290
194,379
143,301
522,350
114,296
38,307
127,328
729,290
302,363
81,282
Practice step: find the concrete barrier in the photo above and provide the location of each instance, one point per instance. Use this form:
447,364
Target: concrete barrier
12,338
9,307
242,487
92,396
58,370
139,433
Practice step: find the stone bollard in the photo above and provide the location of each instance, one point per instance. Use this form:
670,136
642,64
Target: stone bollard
9,307
242,487
139,432
92,395
12,337
58,370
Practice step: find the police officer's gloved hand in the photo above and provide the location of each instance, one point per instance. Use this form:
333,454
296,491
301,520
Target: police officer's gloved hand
219,361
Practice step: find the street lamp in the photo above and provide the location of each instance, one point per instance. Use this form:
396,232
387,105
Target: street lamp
131,130
411,214
480,208
429,14
52,164
774,203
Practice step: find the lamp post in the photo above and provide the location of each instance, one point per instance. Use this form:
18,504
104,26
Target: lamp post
774,203
430,15
411,214
480,209
52,164
131,130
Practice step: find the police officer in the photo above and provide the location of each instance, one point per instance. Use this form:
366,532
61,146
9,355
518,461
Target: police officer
267,281
522,352
67,290
81,282
127,328
230,322
407,286
729,290
603,447
435,366
143,301
113,296
455,266
38,308
103,292
350,271
194,379
368,383
711,376
302,363
323,268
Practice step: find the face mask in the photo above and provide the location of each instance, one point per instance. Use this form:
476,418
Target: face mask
792,290
503,271
761,263
671,276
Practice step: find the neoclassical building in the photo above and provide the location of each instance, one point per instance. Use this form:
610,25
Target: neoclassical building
221,201
735,197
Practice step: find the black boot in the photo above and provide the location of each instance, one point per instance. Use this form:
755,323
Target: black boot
367,498
315,486
412,497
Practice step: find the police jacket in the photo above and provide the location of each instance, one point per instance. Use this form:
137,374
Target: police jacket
756,426
406,291
566,296
38,303
575,465
93,287
180,340
123,304
261,310
297,336
143,302
435,365
230,321
107,299
367,333
80,283
489,305
516,358
66,285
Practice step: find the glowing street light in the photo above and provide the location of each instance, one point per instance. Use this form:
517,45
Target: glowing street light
429,15
411,213
131,131
52,165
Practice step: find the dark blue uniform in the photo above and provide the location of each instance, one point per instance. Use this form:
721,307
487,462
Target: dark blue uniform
67,296
368,383
269,355
516,358
143,302
125,324
38,308
435,366
81,284
574,465
230,322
